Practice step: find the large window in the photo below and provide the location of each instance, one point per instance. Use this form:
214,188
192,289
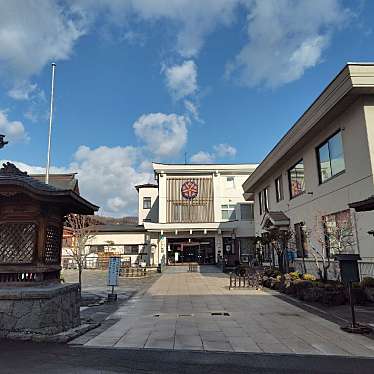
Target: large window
296,179
279,189
130,249
147,203
330,158
338,233
228,212
246,212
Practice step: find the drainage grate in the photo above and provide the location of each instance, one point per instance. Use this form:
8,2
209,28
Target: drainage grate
220,314
156,315
185,315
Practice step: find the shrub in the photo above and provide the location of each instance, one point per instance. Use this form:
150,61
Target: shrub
295,275
309,277
367,282
272,273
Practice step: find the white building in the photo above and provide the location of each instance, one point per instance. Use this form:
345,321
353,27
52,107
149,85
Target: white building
198,212
193,213
322,164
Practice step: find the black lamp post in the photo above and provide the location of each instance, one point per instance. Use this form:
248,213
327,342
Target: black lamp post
2,141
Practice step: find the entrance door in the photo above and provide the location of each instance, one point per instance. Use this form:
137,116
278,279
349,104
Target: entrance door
184,250
190,252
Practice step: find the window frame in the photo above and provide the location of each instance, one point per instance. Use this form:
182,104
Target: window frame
260,202
289,179
330,251
317,149
265,191
251,211
229,208
147,198
279,195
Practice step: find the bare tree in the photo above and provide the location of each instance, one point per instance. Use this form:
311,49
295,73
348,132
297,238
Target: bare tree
83,229
331,235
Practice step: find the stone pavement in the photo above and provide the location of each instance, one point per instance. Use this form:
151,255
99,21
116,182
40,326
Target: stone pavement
196,311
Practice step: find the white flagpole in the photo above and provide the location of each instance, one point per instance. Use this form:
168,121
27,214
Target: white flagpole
50,125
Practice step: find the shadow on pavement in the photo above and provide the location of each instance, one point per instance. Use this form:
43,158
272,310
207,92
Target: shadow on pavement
30,358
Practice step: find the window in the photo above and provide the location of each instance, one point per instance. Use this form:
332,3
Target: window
266,199
147,203
260,202
330,158
279,189
230,182
228,212
338,233
246,212
130,249
296,179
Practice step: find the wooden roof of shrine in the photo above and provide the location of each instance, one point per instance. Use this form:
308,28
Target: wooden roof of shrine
14,180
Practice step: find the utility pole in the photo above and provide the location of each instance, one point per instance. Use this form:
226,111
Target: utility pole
50,125
2,141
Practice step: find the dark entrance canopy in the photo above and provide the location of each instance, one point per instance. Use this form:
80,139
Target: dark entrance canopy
275,220
363,205
31,224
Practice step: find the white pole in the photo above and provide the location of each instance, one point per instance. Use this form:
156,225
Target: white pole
50,125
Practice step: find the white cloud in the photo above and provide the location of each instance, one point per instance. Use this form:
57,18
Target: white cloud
13,130
181,80
106,176
220,151
193,20
31,169
225,150
202,158
192,110
34,32
285,38
164,135
23,90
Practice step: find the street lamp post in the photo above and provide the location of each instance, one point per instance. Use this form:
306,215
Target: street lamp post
2,141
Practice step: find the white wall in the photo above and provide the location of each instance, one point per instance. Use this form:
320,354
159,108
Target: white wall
148,214
355,184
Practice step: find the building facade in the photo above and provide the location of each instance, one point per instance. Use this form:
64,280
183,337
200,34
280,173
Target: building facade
323,163
198,213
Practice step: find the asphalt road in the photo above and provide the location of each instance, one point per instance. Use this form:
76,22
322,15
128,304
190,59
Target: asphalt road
30,358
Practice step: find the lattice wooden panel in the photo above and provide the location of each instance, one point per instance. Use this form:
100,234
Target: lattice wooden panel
52,245
199,209
17,243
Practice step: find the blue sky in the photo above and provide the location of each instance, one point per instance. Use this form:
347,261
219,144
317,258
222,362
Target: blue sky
148,80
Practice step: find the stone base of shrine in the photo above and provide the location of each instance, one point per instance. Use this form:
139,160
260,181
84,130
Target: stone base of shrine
46,310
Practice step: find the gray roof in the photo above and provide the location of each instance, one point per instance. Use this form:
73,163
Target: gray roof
146,185
120,228
61,181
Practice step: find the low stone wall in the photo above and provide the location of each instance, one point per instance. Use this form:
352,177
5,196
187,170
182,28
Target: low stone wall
46,310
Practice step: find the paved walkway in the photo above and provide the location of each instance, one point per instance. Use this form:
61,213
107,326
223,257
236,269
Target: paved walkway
196,311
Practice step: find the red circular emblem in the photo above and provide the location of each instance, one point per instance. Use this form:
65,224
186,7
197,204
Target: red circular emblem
189,190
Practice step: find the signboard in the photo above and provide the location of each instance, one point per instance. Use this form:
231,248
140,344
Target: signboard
113,270
189,190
